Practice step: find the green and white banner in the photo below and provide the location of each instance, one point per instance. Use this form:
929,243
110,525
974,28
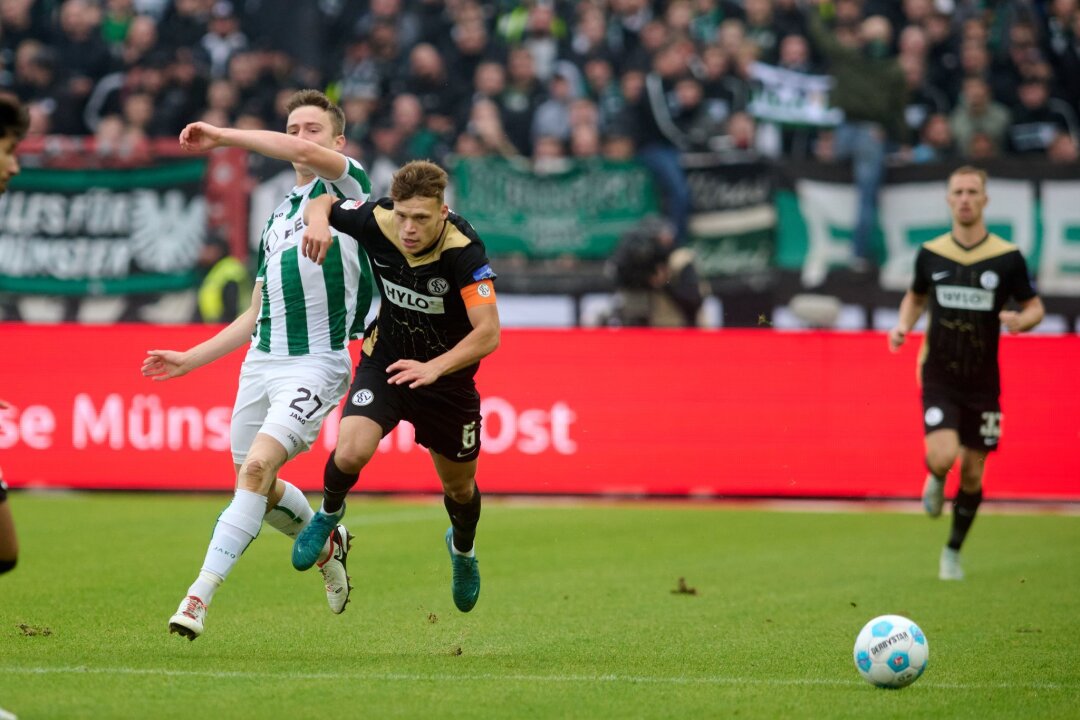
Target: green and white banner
1040,214
582,211
791,98
97,232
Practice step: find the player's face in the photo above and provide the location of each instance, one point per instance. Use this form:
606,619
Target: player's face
967,198
9,164
312,123
419,222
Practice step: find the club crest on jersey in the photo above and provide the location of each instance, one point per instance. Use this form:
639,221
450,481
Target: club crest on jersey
934,416
438,286
412,300
989,280
363,397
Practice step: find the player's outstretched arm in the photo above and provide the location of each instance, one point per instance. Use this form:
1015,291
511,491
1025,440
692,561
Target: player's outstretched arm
1031,314
161,365
481,341
911,307
317,238
203,137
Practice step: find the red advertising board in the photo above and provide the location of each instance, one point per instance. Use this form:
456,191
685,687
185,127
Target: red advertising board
650,412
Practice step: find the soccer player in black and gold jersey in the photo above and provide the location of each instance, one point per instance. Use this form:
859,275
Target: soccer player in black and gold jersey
965,278
437,320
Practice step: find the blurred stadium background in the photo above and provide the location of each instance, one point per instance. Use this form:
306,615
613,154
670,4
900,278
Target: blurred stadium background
596,146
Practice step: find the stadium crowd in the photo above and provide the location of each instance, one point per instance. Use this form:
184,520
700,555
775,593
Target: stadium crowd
869,83
543,79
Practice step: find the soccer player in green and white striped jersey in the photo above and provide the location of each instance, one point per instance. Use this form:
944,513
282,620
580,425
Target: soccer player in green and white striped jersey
298,327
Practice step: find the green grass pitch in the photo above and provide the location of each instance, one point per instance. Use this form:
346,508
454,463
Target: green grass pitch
580,615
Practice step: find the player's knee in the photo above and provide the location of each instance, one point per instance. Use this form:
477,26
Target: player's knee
460,493
350,459
7,565
970,482
255,473
351,455
940,463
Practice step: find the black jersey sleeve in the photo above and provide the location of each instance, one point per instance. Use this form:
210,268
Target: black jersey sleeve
472,266
351,217
920,283
1019,281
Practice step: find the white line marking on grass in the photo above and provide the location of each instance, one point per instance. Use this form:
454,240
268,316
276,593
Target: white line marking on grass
561,679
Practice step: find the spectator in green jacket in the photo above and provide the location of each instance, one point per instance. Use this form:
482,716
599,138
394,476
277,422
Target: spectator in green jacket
871,91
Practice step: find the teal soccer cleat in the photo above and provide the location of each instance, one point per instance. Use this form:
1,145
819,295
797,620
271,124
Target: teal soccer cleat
312,539
466,583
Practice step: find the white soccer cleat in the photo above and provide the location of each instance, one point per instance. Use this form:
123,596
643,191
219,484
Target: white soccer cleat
933,496
335,575
189,618
949,567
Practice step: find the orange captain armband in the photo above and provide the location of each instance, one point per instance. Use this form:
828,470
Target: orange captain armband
479,293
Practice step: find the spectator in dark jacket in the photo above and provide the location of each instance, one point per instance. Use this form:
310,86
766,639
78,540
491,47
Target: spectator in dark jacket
1038,120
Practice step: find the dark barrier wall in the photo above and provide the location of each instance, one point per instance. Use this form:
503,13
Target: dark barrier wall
726,413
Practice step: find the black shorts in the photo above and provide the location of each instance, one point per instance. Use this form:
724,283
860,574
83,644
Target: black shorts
3,490
446,415
975,416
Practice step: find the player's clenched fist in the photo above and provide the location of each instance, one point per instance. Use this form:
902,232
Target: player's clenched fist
896,338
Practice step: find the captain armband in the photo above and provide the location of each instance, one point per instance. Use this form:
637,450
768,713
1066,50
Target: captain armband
479,293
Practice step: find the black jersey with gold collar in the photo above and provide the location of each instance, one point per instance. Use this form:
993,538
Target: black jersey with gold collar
967,288
423,313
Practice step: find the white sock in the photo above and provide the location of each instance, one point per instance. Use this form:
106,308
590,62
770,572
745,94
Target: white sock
291,514
471,553
236,527
205,586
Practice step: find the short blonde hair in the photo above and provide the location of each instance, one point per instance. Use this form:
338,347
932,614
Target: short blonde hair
969,170
419,178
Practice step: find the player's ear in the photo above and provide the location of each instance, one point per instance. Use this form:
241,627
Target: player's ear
444,211
339,142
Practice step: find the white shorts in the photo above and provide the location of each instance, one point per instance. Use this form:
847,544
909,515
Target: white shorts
287,398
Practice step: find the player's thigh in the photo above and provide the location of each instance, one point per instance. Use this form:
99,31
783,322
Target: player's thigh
358,439
249,409
302,392
942,449
447,420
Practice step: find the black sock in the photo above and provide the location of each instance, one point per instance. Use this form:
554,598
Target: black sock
464,517
336,485
965,505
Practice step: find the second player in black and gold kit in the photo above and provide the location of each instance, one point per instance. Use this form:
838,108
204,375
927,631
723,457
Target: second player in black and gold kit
966,278
437,320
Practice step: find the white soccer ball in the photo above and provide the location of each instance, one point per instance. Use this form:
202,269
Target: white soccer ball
891,651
